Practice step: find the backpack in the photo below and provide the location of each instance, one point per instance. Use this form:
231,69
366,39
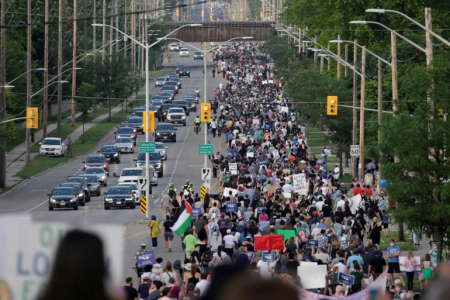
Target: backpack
285,278
206,259
302,236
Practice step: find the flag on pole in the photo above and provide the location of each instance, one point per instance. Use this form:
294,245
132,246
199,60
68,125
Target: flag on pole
184,219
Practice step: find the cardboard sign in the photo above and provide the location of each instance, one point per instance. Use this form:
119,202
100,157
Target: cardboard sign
260,209
346,279
416,261
231,207
255,122
262,224
312,277
145,258
196,212
286,233
268,257
354,203
233,168
311,243
250,154
287,195
31,250
307,263
300,185
251,255
272,189
285,109
286,220
226,192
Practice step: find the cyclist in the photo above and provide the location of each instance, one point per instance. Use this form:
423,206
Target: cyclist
139,271
197,124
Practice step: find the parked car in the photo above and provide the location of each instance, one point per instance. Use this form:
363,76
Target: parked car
62,197
119,196
176,115
52,147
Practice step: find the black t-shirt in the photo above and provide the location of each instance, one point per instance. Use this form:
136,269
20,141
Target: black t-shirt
292,268
167,225
326,211
367,258
131,292
377,262
193,255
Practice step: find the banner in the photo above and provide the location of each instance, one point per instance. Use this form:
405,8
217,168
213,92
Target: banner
196,212
346,279
286,220
145,258
286,233
31,250
312,277
226,192
251,255
269,242
311,243
268,257
233,168
379,284
416,261
300,186
231,207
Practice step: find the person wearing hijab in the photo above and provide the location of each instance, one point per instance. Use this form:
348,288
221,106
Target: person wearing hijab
154,231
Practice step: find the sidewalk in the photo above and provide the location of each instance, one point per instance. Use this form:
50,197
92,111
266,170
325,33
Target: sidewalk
16,159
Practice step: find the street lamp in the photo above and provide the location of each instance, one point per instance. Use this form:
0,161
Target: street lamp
205,75
147,104
7,86
37,69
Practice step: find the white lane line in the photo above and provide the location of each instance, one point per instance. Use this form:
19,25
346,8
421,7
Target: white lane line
39,190
8,209
46,201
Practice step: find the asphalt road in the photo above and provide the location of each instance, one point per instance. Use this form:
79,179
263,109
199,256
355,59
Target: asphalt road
183,163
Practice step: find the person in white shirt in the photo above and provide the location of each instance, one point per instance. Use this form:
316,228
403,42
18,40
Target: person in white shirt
287,188
342,268
265,269
337,172
341,203
203,284
319,204
229,242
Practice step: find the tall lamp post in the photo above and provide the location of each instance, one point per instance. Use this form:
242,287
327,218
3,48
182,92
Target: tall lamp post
147,135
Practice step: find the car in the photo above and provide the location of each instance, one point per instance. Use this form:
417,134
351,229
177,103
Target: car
111,153
167,96
192,104
134,190
96,160
126,132
155,98
137,123
136,112
157,103
78,189
176,115
95,186
52,147
174,47
168,88
99,172
127,125
198,55
136,174
165,131
174,84
166,107
184,52
62,197
170,75
183,104
84,184
193,95
177,69
119,196
161,149
124,145
154,159
159,81
177,80
184,72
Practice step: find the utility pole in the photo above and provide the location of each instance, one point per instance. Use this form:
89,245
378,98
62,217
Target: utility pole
45,108
126,31
361,113
429,49
339,58
133,34
28,131
346,60
380,108
74,62
116,4
85,35
60,16
355,103
104,32
139,38
111,33
3,94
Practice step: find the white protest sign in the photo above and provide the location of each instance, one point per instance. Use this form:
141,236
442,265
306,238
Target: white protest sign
250,154
307,263
255,122
264,82
300,184
416,261
312,277
285,109
233,168
4,221
287,195
31,250
354,203
226,192
270,81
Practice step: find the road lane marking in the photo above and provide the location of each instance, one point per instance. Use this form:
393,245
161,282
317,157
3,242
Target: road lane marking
35,207
134,235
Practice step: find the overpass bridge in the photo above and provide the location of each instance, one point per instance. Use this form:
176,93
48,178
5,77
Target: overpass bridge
222,31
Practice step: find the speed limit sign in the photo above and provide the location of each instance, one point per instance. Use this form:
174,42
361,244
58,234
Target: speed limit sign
354,151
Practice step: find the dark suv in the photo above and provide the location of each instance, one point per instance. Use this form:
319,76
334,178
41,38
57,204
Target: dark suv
111,153
165,131
184,72
154,159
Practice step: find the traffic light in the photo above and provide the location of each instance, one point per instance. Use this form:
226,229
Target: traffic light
203,13
178,12
246,20
205,108
211,17
218,20
32,112
332,105
151,121
234,16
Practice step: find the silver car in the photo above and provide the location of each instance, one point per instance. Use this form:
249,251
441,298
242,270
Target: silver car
95,186
162,150
124,145
160,81
99,172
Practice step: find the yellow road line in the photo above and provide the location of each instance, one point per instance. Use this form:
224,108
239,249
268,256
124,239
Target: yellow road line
134,235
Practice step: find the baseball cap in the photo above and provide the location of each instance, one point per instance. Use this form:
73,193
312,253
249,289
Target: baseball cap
222,215
283,269
228,231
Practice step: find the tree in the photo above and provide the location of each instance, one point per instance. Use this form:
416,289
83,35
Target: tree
86,98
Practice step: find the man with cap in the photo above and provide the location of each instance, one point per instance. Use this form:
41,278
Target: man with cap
139,269
143,288
284,276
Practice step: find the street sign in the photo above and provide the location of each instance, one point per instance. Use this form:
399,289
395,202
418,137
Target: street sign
143,204
202,192
205,149
354,150
147,147
206,173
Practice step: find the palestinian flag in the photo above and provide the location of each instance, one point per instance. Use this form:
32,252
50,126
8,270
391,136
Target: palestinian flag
183,219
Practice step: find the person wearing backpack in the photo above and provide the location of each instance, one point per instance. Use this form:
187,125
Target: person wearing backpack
284,276
205,261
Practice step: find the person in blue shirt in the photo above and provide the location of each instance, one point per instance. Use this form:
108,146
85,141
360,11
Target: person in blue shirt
393,252
355,257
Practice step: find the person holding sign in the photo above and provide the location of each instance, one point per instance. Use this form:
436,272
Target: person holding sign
359,276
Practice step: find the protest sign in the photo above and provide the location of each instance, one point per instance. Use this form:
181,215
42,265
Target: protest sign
250,154
354,203
233,168
286,233
231,207
311,243
346,279
307,263
287,195
255,122
268,257
285,109
226,192
416,261
250,255
145,258
260,209
31,249
312,277
286,220
300,186
196,212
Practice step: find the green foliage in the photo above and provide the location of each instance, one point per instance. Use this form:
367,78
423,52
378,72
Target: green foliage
84,105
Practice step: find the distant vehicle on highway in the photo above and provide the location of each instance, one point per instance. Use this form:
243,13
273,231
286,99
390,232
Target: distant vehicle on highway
137,123
183,104
98,160
184,52
176,115
126,132
99,172
52,147
84,184
134,190
154,160
111,153
62,197
174,47
95,186
78,189
198,55
170,75
159,81
192,103
119,196
124,145
178,68
184,72
165,131
161,149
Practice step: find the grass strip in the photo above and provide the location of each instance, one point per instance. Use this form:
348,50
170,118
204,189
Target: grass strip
316,135
323,142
